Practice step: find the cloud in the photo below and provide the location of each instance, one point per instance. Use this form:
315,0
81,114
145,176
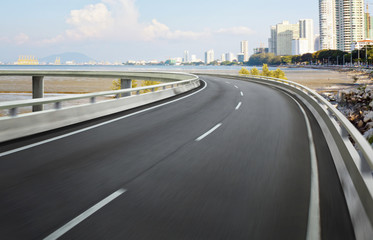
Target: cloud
91,21
21,38
157,30
118,20
236,31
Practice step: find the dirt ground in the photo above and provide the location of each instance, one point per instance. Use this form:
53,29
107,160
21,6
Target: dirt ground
315,79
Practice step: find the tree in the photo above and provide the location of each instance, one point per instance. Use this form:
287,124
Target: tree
254,71
265,71
244,71
278,73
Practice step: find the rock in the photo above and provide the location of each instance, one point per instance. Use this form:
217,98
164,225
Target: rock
369,125
368,116
360,124
371,104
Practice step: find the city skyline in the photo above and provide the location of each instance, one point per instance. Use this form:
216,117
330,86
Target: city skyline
120,30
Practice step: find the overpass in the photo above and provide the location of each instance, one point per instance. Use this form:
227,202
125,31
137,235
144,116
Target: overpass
208,157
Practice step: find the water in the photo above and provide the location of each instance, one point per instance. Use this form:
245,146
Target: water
227,69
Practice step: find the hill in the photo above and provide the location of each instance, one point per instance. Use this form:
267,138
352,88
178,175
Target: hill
68,56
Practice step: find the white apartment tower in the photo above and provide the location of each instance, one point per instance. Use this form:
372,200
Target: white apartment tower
327,17
350,23
245,50
209,56
285,33
306,32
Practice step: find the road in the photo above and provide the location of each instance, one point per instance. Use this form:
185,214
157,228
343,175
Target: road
231,160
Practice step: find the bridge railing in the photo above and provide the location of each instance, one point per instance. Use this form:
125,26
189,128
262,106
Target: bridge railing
13,106
352,154
21,125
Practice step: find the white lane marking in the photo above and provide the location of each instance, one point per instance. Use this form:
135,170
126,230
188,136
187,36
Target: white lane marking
242,94
208,132
239,105
313,226
235,86
94,126
228,82
68,226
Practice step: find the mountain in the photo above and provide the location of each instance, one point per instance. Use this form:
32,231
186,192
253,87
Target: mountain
68,56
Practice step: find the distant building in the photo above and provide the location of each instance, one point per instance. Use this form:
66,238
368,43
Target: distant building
317,43
229,57
261,50
245,50
350,21
241,57
272,40
327,19
368,24
223,59
306,31
286,32
186,58
209,56
193,58
300,46
361,44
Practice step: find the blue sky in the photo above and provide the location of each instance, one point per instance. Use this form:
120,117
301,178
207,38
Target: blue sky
121,30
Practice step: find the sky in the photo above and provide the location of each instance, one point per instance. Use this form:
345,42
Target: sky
121,30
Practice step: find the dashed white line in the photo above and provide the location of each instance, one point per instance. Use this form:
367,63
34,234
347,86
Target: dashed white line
313,226
242,94
228,82
239,105
208,132
68,226
235,86
94,126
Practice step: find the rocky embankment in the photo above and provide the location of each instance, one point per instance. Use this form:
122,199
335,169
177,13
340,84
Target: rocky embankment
357,105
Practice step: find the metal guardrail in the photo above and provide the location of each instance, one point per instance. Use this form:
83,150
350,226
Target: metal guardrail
359,139
13,106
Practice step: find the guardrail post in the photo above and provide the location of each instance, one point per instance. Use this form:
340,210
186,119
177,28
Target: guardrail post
37,91
125,84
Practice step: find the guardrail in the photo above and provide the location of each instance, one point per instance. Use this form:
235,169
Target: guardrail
16,126
12,106
354,164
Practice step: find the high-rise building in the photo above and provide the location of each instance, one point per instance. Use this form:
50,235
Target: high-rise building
350,23
186,58
229,57
245,50
317,42
285,33
327,18
209,56
194,58
223,59
368,24
272,40
306,32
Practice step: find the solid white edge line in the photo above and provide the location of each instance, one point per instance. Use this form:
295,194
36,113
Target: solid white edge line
208,132
242,94
94,126
313,225
239,105
68,226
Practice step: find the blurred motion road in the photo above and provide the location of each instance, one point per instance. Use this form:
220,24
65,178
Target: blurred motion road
231,161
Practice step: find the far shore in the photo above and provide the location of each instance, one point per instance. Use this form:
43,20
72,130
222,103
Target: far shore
319,80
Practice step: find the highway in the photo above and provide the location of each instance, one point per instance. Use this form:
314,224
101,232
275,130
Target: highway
230,160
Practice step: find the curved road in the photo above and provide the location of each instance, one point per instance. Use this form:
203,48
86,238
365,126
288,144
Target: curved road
232,160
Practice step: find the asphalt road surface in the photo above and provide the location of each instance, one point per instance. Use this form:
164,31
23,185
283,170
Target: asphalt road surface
231,160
